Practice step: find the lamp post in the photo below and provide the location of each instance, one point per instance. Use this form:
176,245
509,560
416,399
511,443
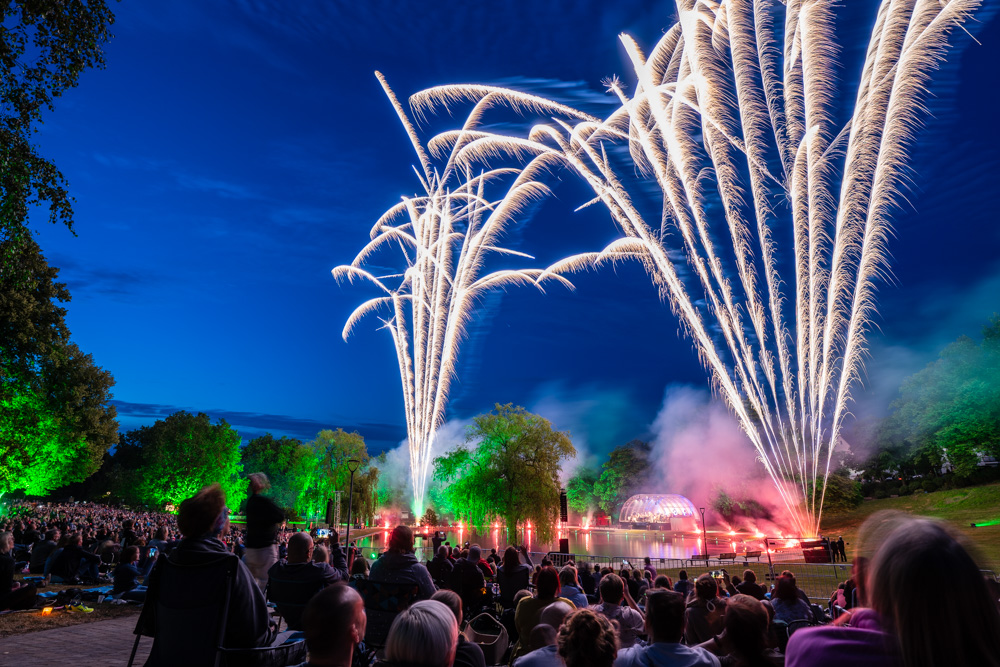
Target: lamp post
352,465
704,533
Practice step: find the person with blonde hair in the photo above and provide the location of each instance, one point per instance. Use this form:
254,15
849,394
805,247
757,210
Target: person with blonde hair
263,520
423,635
903,624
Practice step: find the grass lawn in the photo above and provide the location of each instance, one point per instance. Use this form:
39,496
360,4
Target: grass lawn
959,507
21,622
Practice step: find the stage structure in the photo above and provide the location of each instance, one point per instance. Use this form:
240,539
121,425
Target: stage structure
654,511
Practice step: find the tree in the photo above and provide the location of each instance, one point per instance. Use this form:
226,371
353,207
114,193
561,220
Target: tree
950,410
622,475
179,455
56,422
44,47
288,464
429,519
580,492
332,451
511,472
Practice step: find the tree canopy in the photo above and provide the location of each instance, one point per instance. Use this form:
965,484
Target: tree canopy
175,457
331,451
511,471
44,47
55,418
622,475
289,464
950,410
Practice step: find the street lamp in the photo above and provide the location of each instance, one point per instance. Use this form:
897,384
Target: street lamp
352,465
704,533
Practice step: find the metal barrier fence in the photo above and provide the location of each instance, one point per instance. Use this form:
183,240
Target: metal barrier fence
818,580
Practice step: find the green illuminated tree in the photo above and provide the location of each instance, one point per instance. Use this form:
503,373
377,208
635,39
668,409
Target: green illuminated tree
510,473
55,418
581,495
44,47
332,451
622,475
950,410
179,455
289,464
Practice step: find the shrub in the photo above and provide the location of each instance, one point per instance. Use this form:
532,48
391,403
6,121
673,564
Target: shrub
880,493
930,485
904,489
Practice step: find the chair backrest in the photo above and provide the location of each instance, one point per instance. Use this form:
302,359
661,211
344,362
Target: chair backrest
383,601
290,596
188,605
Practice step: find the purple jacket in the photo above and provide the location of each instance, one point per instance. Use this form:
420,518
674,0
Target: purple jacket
862,644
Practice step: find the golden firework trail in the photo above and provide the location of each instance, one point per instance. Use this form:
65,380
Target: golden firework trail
733,118
446,238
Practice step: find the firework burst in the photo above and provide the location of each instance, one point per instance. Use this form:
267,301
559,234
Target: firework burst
733,118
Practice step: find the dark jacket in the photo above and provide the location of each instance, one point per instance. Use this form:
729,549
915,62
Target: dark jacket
467,580
703,620
127,576
39,554
468,654
399,568
440,569
511,581
753,589
67,563
248,624
291,585
263,519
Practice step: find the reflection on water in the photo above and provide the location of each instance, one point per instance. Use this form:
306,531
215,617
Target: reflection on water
596,542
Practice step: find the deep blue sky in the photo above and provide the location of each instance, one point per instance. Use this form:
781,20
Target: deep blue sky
232,153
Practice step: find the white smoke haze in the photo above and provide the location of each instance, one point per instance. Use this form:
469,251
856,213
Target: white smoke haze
699,450
395,472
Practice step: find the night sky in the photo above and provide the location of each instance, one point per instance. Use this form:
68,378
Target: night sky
232,153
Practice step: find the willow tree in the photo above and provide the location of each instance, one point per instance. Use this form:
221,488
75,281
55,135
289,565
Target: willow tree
507,470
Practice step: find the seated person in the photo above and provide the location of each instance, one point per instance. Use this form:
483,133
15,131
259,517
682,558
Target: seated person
587,639
787,604
629,618
665,618
571,589
705,614
42,550
292,583
424,635
529,610
467,580
74,564
441,566
203,521
12,595
334,624
467,654
541,644
127,575
399,565
750,586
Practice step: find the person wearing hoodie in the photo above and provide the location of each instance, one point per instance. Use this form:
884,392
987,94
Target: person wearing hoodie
398,565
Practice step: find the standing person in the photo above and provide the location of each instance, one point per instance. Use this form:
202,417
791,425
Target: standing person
513,575
648,567
263,520
841,550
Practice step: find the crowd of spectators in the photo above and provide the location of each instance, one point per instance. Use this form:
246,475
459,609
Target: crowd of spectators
574,616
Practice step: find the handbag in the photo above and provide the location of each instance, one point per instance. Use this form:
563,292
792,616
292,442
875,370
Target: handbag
491,636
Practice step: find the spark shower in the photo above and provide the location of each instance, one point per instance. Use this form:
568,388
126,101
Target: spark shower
733,122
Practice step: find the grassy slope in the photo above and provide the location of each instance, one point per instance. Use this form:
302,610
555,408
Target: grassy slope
959,507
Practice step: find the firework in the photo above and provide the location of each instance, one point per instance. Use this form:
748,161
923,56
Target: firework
446,237
733,118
